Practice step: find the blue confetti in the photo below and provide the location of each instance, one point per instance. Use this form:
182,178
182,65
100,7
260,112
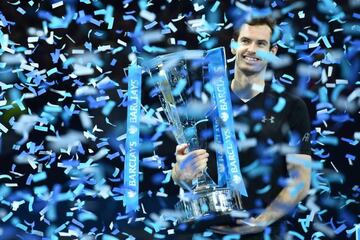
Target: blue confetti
180,86
264,189
296,234
39,177
280,105
268,56
62,115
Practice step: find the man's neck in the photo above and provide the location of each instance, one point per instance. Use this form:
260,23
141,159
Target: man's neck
247,86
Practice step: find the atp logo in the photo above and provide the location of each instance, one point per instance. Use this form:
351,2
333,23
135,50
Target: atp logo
237,179
131,194
132,129
224,116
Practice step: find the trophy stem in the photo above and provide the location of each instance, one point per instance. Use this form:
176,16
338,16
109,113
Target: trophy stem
204,181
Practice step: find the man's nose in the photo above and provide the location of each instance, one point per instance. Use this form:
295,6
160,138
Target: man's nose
252,47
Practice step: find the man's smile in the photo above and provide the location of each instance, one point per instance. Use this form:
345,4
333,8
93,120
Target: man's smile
251,59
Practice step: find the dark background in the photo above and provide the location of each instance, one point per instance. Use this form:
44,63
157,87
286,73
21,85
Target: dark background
78,25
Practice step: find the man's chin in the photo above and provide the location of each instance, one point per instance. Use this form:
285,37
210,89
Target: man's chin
249,70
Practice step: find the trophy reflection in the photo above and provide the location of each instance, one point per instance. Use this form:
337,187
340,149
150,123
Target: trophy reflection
179,81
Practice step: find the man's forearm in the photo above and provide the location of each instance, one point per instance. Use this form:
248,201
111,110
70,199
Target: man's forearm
299,168
282,204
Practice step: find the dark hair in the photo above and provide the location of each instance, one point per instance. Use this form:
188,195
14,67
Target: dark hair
270,22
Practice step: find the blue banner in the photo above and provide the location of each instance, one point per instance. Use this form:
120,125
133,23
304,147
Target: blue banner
220,156
220,83
131,168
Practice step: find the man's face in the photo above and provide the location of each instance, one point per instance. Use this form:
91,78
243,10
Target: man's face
252,39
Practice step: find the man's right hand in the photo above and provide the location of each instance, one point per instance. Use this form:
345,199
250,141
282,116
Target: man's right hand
189,165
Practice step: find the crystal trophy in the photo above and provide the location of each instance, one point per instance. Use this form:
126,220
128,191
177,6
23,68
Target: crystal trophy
173,76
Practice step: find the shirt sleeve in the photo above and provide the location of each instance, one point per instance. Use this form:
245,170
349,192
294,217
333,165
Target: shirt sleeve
300,126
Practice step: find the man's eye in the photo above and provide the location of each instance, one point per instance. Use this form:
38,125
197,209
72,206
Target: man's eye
245,41
262,44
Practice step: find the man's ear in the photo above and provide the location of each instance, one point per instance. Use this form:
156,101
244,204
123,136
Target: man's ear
274,49
233,51
233,46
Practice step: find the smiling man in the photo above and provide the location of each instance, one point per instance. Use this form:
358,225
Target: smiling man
253,36
270,118
273,139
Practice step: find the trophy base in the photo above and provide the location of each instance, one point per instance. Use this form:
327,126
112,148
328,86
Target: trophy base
209,207
205,222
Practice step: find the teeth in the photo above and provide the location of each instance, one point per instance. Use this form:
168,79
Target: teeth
251,59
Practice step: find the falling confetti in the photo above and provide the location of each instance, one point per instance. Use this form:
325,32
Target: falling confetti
64,70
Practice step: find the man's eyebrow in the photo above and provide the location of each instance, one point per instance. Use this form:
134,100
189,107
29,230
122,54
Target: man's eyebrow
257,40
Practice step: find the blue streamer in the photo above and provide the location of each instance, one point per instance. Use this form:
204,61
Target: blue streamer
218,77
131,169
220,156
